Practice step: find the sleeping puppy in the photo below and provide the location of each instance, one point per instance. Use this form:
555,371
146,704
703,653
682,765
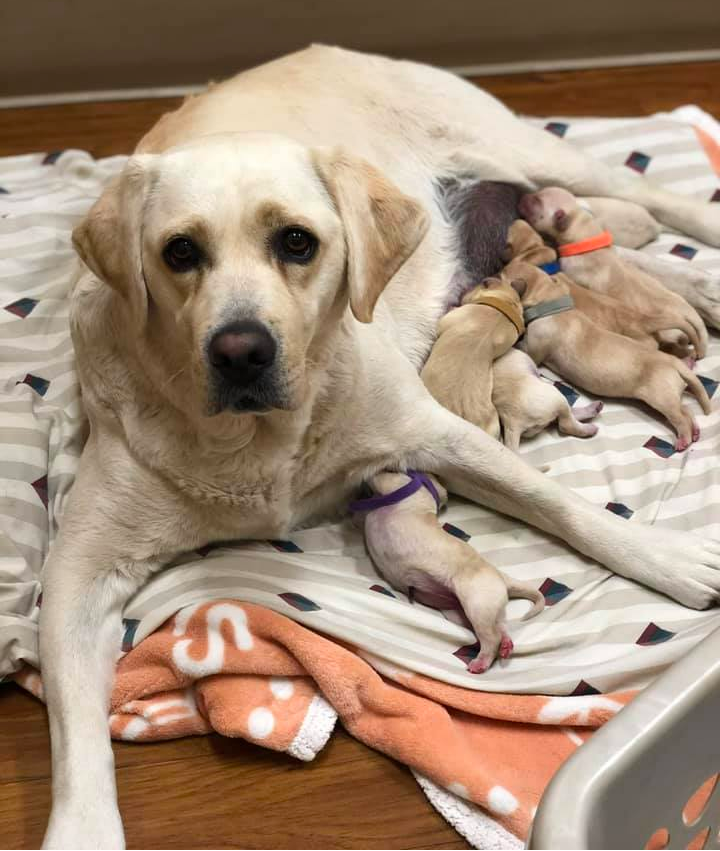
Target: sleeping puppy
644,324
458,372
526,403
420,559
604,363
555,213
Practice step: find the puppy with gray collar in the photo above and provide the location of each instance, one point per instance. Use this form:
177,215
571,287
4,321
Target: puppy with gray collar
587,256
604,363
417,557
645,325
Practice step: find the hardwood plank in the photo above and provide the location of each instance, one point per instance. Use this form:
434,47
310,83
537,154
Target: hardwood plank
639,90
106,128
238,795
103,128
25,741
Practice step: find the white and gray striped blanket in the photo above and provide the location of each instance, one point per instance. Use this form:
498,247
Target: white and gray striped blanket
598,633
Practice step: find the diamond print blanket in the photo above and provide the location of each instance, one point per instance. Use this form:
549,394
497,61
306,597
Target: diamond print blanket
241,639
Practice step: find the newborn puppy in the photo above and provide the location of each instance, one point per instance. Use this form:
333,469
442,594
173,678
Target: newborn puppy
458,372
556,214
526,403
643,325
600,361
416,556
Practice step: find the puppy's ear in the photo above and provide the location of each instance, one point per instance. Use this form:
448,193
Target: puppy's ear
507,254
560,220
519,285
108,240
382,225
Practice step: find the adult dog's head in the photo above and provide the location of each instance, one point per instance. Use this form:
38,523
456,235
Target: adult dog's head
236,254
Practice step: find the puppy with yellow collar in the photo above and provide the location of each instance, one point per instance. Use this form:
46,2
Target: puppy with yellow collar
471,337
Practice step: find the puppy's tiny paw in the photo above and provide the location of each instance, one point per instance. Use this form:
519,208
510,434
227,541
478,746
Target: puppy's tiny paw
480,663
506,647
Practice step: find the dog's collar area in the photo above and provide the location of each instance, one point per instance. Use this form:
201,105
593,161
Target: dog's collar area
552,268
417,480
548,308
502,305
585,246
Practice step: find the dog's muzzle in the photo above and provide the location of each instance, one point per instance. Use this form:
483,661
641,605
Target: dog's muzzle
242,362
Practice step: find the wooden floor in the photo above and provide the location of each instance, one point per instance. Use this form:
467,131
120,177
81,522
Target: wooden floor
210,792
114,127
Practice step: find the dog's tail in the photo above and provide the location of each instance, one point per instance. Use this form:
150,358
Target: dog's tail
525,591
694,384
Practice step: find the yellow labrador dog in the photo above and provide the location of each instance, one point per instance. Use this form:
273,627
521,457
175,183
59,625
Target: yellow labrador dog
262,285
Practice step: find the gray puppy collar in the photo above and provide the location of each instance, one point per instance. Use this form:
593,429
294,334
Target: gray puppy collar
548,308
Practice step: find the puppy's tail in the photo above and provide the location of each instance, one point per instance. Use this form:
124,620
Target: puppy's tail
694,384
525,591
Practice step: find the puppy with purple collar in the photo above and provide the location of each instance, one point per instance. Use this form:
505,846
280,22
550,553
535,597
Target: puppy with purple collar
418,558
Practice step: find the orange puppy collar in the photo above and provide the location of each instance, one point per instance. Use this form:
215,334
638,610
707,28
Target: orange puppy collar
585,246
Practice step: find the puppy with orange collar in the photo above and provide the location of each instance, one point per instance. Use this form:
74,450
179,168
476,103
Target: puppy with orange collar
600,361
470,338
645,325
587,256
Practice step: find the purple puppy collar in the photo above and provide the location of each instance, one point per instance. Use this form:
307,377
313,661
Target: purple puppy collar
417,481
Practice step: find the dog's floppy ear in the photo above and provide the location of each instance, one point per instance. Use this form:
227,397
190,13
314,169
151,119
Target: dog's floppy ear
519,285
383,226
108,239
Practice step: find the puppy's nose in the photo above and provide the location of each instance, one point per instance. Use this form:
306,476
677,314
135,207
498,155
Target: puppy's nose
242,351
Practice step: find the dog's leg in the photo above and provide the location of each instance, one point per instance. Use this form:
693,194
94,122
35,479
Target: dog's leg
630,224
696,285
682,565
549,161
512,434
545,160
573,422
85,585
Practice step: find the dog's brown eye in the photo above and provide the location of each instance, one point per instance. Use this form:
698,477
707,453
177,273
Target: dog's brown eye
295,245
181,254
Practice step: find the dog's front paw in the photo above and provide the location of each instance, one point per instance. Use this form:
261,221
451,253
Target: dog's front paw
707,304
683,565
87,826
706,225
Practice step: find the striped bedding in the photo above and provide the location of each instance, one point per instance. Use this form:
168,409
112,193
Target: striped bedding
598,633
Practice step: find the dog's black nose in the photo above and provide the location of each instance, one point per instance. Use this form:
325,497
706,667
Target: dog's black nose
240,352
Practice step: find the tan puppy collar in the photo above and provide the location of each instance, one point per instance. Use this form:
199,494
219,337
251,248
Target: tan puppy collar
500,301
